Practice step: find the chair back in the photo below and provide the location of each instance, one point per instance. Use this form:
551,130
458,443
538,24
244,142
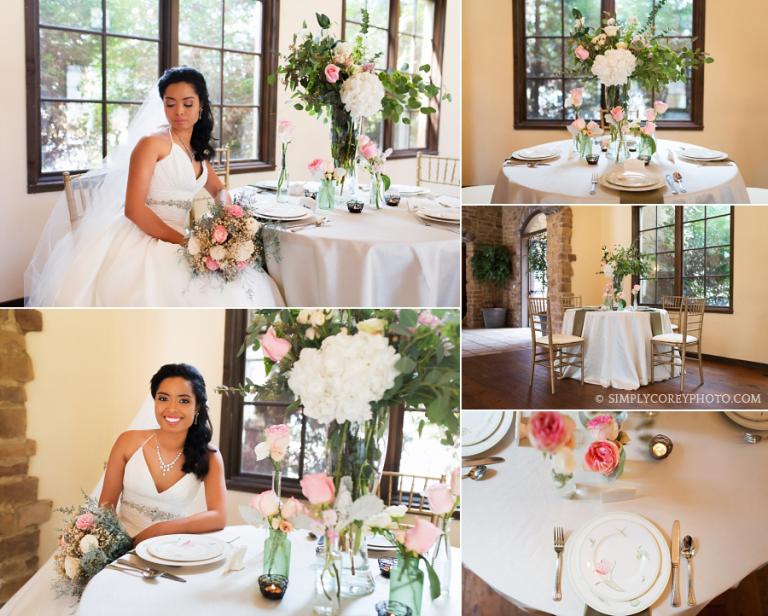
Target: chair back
693,317
673,304
396,488
539,317
79,190
221,164
437,170
569,300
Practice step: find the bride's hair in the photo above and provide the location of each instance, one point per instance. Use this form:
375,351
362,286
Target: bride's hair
202,132
196,449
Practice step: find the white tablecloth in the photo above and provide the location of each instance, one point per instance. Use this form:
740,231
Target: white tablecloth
568,181
714,483
383,257
617,347
210,590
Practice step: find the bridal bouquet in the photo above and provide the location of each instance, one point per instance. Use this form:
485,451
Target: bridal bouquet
224,242
92,538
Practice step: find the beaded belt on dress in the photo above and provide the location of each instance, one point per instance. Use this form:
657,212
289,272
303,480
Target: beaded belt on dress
184,204
153,513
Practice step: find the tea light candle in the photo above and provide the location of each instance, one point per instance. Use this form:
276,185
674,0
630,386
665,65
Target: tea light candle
392,608
273,587
645,158
385,566
355,206
392,199
660,446
592,159
604,144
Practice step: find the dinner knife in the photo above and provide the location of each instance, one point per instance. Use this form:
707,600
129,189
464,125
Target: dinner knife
483,461
165,574
675,553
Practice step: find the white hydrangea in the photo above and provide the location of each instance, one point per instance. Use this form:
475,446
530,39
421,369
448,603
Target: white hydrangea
252,226
193,246
338,381
362,94
244,251
614,67
219,253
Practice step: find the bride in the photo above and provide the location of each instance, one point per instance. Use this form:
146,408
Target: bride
125,251
154,477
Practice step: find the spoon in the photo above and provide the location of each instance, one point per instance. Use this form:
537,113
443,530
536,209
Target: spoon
752,438
476,473
687,550
679,179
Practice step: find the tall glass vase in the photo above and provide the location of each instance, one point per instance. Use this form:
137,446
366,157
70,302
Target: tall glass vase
282,179
277,553
327,599
377,191
406,583
618,96
344,148
440,558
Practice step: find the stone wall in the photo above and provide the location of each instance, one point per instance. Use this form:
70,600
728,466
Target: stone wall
21,512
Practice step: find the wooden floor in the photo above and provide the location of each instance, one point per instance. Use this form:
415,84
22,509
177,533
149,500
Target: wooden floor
750,598
500,381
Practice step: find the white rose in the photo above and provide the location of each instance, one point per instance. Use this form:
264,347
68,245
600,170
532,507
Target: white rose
342,53
193,246
87,543
621,45
71,567
380,520
252,226
317,318
310,333
563,461
362,94
396,511
611,30
303,317
219,253
244,251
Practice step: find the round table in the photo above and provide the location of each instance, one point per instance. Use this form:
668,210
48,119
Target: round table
617,347
568,180
385,257
212,590
713,482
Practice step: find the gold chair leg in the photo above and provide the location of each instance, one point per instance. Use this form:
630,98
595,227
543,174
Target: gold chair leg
581,362
653,357
682,369
701,366
551,370
533,364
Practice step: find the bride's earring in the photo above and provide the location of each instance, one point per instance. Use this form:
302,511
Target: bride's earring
195,421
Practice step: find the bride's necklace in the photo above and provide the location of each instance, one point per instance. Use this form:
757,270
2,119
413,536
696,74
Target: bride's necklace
166,467
186,149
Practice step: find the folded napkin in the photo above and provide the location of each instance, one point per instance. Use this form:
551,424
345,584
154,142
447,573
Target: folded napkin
578,321
634,165
419,203
593,612
236,560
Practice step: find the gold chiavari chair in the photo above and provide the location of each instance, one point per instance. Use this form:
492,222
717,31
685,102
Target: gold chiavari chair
79,193
673,304
551,349
221,164
438,170
569,300
689,334
404,489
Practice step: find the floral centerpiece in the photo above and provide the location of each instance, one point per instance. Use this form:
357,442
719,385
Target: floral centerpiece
374,165
619,52
623,262
336,80
553,434
606,454
582,131
224,242
92,538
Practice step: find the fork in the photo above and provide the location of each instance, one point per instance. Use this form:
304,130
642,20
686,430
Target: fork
149,574
449,229
593,186
559,546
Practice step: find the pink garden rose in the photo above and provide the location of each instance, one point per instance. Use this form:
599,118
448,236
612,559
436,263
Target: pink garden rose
367,147
285,130
650,115
332,73
617,113
456,481
241,265
275,348
427,318
649,128
660,107
636,289
292,508
219,234
602,457
579,124
441,499
235,211
593,129
368,67
318,488
581,53
577,96
211,263
278,438
603,428
550,430
85,521
421,537
266,503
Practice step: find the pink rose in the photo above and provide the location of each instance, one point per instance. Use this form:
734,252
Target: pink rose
603,428
456,481
650,115
441,499
278,438
332,73
211,263
427,318
550,430
285,129
266,503
421,537
617,113
292,508
369,150
219,234
593,128
235,211
649,128
368,67
275,348
581,53
577,96
660,107
85,521
602,457
579,124
241,265
636,289
603,567
318,488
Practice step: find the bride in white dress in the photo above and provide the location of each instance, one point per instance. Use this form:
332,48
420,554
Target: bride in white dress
125,251
154,478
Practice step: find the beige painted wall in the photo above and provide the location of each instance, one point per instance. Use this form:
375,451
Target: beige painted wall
733,98
22,216
741,335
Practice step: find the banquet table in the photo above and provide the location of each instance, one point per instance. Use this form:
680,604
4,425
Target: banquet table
384,257
713,482
567,180
617,347
213,590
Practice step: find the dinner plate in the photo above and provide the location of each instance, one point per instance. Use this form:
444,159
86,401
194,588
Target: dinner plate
702,154
609,606
604,181
475,427
448,201
186,548
405,190
142,550
281,211
538,153
632,179
441,215
378,543
753,420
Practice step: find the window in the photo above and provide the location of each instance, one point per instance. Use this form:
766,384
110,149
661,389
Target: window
543,60
94,61
244,421
404,32
690,249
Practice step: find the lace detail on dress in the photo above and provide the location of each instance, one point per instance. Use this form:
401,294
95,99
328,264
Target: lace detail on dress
153,513
184,204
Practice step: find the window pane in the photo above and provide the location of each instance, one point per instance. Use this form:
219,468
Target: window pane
648,241
590,109
693,234
693,263
208,62
137,17
719,231
243,24
75,13
648,217
718,291
413,135
406,54
665,264
70,65
131,68
242,78
664,287
545,99
543,17
424,455
665,215
70,136
633,8
717,210
544,57
666,239
118,117
407,22
647,291
693,287
200,22
376,42
589,8
676,18
378,11
693,212
374,128
719,261
425,18
240,129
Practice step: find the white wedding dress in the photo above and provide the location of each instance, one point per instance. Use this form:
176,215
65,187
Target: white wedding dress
117,264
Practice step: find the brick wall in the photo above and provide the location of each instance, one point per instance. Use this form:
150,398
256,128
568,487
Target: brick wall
21,512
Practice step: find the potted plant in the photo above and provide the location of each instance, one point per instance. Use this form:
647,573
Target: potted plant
492,263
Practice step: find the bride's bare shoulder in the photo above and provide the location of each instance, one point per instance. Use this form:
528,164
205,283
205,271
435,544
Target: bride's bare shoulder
158,144
130,440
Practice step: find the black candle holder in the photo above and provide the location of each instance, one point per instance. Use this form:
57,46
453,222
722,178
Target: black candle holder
385,565
312,194
646,158
273,587
392,199
355,206
660,446
392,608
592,159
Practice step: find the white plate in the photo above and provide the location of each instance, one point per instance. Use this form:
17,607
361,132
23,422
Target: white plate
281,211
443,215
478,426
378,543
620,559
405,190
610,607
186,548
702,154
631,179
604,182
142,551
480,446
448,201
539,153
753,420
